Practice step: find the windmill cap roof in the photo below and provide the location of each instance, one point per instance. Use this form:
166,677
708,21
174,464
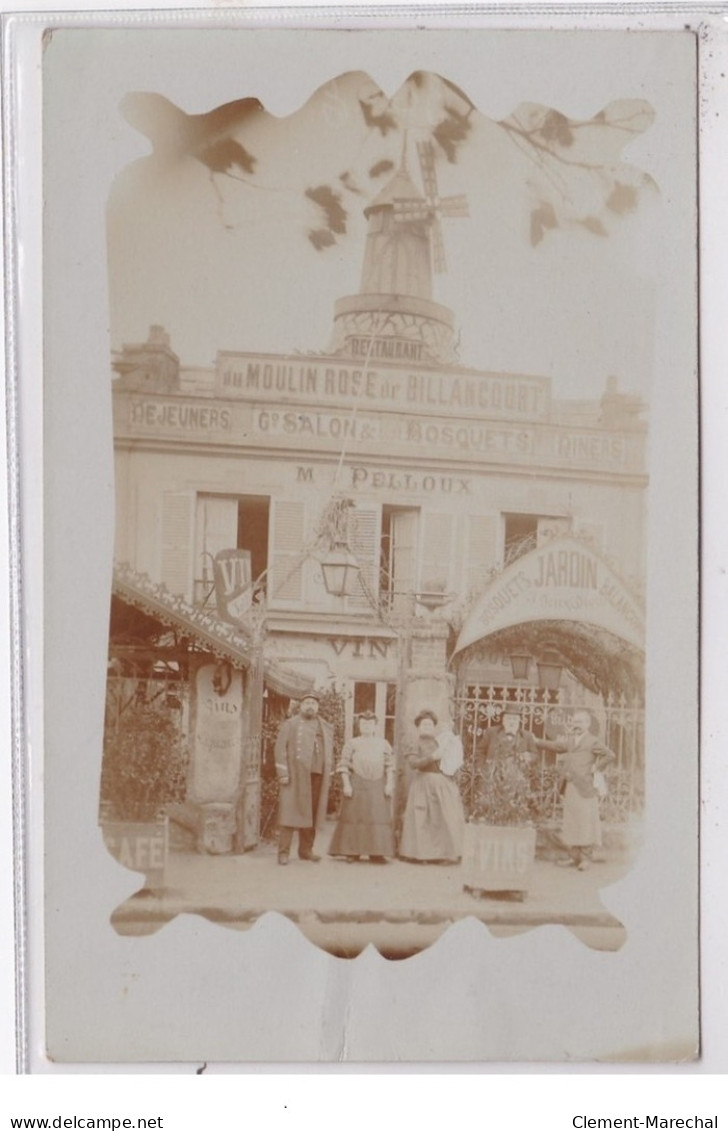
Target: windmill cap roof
399,187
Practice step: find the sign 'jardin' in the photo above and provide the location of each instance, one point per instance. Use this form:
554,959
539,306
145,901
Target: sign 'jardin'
562,580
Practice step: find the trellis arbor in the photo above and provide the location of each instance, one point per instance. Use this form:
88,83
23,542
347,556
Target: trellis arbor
594,671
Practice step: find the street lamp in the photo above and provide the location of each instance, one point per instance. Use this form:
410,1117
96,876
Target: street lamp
549,669
432,600
520,664
339,568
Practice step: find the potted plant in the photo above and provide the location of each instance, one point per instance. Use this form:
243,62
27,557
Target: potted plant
500,836
143,775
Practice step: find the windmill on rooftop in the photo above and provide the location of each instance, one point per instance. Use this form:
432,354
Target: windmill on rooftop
394,315
432,206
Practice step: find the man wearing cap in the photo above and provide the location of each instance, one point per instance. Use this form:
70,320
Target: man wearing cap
304,759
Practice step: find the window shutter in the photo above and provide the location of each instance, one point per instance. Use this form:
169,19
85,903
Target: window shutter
217,529
365,534
436,561
482,550
176,535
288,531
219,522
403,557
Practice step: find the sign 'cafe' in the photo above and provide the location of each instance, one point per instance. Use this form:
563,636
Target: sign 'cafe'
386,525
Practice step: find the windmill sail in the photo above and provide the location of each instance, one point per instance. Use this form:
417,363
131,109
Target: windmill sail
432,206
439,261
426,154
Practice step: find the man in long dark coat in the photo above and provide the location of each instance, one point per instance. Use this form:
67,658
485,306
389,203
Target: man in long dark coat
304,760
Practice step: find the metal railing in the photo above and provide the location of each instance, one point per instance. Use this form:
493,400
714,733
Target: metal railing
545,714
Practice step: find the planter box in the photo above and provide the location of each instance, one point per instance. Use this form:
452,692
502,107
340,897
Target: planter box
498,858
216,827
210,826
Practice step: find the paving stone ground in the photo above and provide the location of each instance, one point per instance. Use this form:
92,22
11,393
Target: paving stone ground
398,907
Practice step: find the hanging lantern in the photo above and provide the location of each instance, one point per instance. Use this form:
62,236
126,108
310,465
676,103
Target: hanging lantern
432,600
339,569
549,669
520,664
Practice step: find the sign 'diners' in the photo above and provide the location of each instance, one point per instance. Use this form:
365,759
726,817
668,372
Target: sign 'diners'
561,580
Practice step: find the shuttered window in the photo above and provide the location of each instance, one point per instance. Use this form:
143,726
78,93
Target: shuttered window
364,535
217,523
526,532
402,564
436,565
287,540
482,550
177,542
216,528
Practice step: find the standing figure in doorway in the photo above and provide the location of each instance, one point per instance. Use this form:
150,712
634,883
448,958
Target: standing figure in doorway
434,823
366,767
304,760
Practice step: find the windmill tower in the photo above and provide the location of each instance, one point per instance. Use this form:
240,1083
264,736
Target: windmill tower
394,315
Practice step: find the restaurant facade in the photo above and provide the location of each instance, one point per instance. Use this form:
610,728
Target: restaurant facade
495,532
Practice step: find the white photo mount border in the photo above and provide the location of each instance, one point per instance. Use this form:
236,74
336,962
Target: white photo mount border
33,685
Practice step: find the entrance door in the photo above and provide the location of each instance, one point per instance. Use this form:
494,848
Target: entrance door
378,696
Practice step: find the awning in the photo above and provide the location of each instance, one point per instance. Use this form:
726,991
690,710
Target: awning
223,640
563,580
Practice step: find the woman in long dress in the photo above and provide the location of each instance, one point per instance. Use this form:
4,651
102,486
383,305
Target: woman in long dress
434,821
365,826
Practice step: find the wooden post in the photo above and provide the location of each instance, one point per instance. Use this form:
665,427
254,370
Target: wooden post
247,825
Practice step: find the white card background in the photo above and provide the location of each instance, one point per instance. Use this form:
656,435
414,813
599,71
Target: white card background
197,991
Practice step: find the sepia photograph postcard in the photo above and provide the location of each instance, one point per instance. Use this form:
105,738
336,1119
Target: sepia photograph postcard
370,545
